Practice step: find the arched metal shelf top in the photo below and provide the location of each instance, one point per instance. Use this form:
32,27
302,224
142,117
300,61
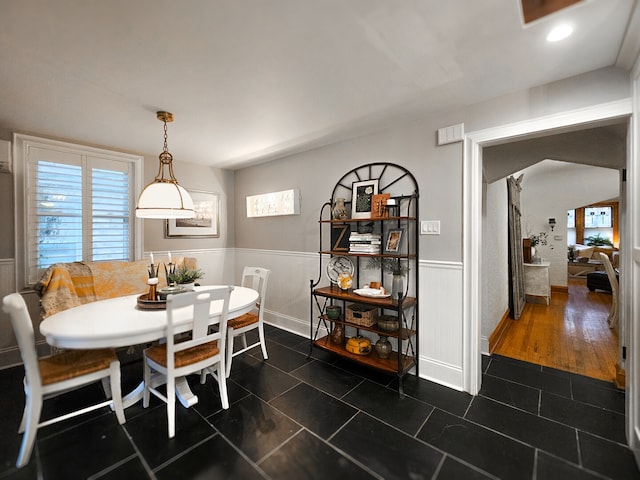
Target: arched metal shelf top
392,178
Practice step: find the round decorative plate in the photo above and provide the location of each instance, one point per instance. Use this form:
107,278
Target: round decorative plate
338,265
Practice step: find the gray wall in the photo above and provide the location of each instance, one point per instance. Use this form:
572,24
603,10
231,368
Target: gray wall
438,169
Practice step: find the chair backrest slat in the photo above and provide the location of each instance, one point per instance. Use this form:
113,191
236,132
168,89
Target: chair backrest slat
256,278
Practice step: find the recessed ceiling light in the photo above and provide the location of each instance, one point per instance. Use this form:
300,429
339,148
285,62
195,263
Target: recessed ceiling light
559,33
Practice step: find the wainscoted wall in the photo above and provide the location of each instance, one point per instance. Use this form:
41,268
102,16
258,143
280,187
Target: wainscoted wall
217,264
287,304
441,325
9,353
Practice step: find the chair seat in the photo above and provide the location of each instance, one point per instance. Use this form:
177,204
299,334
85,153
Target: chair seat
158,353
243,321
74,363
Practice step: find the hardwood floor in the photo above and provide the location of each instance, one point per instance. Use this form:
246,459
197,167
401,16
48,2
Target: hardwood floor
571,333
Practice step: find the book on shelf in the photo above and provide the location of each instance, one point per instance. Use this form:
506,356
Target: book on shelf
365,242
364,249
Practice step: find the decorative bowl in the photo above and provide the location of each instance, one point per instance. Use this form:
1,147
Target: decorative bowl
334,311
166,291
388,324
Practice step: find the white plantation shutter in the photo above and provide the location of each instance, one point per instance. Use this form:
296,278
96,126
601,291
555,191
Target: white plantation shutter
77,207
110,211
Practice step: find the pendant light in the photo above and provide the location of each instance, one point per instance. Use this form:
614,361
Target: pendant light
164,198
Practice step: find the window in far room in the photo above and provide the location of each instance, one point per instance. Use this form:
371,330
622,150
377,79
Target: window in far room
597,217
593,223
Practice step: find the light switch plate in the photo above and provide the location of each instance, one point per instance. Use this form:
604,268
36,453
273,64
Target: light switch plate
430,227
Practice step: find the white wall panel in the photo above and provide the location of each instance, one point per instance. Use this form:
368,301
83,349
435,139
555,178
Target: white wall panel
9,352
287,303
441,323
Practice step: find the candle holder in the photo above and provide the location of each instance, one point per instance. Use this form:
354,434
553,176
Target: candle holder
168,272
153,285
153,271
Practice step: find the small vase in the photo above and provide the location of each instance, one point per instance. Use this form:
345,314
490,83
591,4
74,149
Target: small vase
397,286
536,257
339,211
383,347
189,287
337,335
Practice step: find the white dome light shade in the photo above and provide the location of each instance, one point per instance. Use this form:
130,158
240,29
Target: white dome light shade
164,200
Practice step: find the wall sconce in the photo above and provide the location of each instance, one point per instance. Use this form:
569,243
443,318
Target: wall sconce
552,223
286,202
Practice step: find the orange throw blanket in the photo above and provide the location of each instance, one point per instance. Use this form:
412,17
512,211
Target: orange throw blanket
65,285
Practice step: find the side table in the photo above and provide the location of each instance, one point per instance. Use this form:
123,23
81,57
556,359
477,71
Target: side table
536,280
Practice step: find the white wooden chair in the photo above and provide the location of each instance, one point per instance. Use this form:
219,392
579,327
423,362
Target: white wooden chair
202,352
51,376
255,278
613,281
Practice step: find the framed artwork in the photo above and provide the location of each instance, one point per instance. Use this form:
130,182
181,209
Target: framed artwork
393,240
340,233
362,193
379,205
205,223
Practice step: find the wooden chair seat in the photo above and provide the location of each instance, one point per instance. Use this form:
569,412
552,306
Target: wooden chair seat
158,353
243,321
74,363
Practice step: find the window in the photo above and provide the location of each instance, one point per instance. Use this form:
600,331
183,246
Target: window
571,219
597,217
78,205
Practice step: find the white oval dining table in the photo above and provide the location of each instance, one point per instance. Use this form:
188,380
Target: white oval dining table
118,322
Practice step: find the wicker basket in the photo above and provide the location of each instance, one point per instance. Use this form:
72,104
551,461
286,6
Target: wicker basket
362,315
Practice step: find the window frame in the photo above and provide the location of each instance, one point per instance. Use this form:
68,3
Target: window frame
21,146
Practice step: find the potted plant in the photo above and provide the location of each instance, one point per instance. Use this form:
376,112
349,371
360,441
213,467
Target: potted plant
393,266
598,241
184,276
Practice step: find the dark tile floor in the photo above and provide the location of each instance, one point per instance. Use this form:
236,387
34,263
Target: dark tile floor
294,418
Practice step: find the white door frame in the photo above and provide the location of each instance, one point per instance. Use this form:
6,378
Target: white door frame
632,265
472,215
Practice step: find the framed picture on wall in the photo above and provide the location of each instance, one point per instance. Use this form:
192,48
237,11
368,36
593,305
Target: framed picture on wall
205,222
361,194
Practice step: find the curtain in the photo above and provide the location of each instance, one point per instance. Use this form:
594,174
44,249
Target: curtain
516,262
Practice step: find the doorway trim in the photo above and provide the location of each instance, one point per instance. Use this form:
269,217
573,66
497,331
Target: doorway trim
472,213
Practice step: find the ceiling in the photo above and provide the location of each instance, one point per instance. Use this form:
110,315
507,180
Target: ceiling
250,80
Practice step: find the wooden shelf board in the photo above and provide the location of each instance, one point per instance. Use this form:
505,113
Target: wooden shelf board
348,295
406,333
389,365
356,220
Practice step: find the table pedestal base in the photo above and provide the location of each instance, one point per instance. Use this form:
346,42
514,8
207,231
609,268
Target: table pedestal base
183,393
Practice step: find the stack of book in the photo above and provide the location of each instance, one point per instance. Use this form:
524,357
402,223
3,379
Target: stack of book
364,243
